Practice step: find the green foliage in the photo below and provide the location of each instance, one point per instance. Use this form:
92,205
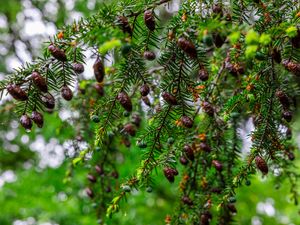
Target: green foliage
206,68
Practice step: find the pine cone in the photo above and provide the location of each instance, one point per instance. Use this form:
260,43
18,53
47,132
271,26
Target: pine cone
149,20
205,147
205,218
91,178
49,101
115,174
78,68
124,24
283,98
26,122
100,89
231,69
203,74
126,142
129,129
170,174
291,156
217,165
186,200
146,100
187,121
125,101
207,108
37,118
261,165
57,53
235,69
136,120
99,170
217,10
170,99
296,40
183,160
39,81
144,90
287,115
99,71
292,67
66,93
149,55
189,152
17,92
232,208
188,47
89,192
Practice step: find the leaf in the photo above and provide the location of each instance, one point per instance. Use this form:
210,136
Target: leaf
76,160
109,45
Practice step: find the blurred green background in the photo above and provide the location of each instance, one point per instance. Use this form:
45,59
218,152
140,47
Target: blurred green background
33,188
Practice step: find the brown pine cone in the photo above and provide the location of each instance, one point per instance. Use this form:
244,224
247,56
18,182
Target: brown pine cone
37,118
292,67
78,67
189,152
232,208
203,74
287,115
207,108
48,101
99,170
125,101
124,24
136,120
205,147
17,92
100,89
39,81
261,165
149,55
217,10
146,100
99,71
170,174
283,98
26,122
130,129
144,90
205,218
188,47
217,165
66,93
296,40
186,200
57,53
291,156
170,99
89,192
91,178
183,160
149,20
187,121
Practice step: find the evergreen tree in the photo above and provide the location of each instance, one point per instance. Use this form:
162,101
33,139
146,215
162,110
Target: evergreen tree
177,88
